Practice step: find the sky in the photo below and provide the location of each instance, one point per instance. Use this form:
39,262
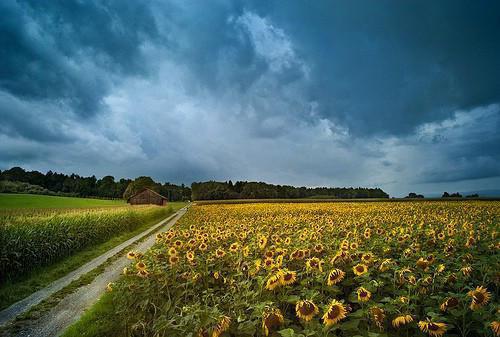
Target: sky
402,95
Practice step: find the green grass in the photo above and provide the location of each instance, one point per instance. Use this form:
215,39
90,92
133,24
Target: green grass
13,291
99,321
17,201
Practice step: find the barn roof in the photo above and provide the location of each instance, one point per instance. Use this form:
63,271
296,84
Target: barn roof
147,189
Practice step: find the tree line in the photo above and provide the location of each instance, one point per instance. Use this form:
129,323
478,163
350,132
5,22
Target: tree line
75,185
214,190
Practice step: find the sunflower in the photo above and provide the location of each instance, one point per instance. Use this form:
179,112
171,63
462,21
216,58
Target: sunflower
234,247
279,261
360,269
378,315
222,326
314,263
423,263
480,296
268,263
271,319
109,287
306,310
140,265
287,277
335,276
203,246
273,282
172,251
219,252
142,273
173,260
262,242
190,256
363,294
449,303
354,245
466,271
432,328
131,255
367,258
401,320
495,327
385,265
336,312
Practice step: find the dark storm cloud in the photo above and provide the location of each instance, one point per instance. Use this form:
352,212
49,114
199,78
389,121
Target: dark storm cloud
69,50
328,92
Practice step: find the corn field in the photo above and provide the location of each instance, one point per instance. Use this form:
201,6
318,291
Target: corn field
31,239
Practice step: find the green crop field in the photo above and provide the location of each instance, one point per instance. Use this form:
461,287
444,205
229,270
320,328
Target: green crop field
17,201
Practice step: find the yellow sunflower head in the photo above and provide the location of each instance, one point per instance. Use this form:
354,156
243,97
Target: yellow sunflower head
271,320
434,329
360,269
401,320
273,281
306,310
287,277
335,276
336,311
480,296
363,294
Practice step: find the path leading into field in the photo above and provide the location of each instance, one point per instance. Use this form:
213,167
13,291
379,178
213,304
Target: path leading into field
70,309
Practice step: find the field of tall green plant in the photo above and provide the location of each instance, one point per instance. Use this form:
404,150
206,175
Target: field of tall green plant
31,239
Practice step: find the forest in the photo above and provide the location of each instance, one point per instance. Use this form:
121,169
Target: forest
213,190
18,180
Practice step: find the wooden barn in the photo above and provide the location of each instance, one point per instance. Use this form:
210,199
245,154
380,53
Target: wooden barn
147,196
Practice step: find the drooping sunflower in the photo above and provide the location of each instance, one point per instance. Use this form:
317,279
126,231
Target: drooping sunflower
467,270
480,296
335,276
495,327
336,312
385,265
222,326
271,320
273,282
360,269
363,294
377,315
142,273
306,310
287,277
401,320
449,303
434,329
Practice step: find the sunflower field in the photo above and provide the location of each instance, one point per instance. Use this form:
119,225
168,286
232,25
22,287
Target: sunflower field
322,269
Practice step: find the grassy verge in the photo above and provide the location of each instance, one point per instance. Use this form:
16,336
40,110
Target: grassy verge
99,321
13,291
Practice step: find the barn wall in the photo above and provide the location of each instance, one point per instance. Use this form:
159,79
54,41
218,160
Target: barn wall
147,197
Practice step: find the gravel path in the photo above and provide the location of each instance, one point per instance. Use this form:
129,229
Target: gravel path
69,309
